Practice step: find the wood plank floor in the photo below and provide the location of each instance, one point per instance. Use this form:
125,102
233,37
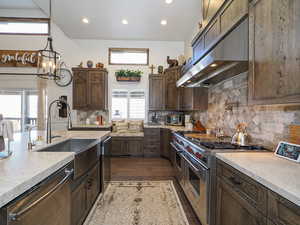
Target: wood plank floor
151,169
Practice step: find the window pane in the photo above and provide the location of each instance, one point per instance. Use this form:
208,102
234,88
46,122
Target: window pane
127,56
33,106
137,105
19,27
11,106
119,104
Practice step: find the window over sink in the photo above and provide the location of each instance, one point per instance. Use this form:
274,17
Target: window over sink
128,104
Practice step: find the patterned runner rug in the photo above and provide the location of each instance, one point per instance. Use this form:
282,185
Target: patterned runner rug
139,203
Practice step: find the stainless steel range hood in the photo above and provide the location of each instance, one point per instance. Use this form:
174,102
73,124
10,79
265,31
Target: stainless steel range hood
227,59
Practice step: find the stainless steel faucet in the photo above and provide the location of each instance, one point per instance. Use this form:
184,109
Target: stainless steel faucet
49,129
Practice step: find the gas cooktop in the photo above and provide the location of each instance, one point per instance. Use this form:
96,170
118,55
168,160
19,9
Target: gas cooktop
228,145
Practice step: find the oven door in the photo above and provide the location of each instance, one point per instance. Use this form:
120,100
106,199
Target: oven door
196,188
178,164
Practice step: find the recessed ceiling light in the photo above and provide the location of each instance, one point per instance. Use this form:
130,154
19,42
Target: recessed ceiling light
169,1
164,22
125,22
85,20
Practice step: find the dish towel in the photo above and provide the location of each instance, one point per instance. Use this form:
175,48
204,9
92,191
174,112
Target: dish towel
6,131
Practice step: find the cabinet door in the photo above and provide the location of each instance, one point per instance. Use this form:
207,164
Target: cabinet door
235,10
156,92
119,147
187,98
166,139
172,92
97,90
274,52
79,204
282,211
135,147
80,90
233,209
92,186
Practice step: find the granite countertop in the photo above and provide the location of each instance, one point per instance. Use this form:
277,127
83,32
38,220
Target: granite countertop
127,134
279,175
24,168
172,128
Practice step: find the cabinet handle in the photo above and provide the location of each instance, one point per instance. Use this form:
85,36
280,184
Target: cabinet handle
235,181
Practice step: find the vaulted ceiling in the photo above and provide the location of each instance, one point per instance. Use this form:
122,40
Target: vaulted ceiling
105,18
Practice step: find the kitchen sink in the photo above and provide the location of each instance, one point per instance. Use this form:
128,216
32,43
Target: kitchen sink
72,145
87,153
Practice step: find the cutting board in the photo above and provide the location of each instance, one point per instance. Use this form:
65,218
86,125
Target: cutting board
295,134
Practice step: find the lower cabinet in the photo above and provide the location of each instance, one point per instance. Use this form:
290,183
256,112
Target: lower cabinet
243,201
165,145
232,208
84,194
127,146
152,142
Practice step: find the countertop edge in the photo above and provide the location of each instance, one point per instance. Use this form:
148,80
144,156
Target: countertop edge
291,197
25,186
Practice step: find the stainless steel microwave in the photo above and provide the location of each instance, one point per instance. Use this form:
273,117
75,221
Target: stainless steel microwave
175,120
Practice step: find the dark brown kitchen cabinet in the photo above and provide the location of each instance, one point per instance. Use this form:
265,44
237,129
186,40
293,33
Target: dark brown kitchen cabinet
219,19
194,99
90,89
156,92
127,146
243,201
232,208
274,57
282,211
79,204
165,145
84,195
152,142
172,97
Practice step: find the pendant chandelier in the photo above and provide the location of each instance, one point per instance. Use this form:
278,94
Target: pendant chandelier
48,59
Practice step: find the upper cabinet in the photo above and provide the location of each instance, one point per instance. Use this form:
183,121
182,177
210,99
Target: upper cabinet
90,89
194,99
156,92
219,18
274,59
172,96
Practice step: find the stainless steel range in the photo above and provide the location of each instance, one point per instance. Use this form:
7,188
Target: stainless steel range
195,166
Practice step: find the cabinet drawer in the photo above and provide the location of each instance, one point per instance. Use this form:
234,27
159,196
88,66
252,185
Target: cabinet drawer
282,211
152,132
250,190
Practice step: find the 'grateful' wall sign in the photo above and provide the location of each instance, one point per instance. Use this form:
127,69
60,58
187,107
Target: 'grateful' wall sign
18,58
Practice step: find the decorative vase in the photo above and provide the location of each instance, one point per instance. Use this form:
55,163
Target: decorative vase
89,64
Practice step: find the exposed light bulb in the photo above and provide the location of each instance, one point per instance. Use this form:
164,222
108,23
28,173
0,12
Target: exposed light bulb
85,20
164,22
125,22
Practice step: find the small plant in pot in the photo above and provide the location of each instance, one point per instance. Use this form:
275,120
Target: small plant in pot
129,75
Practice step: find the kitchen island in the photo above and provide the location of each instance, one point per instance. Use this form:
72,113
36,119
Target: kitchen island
24,169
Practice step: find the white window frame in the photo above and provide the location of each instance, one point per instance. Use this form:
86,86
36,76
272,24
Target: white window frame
128,103
128,50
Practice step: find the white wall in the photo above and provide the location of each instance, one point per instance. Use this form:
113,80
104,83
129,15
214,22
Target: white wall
75,51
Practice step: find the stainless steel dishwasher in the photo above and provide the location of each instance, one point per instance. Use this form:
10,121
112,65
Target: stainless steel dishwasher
48,203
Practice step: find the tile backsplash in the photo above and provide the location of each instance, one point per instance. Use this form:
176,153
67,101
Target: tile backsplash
267,125
82,116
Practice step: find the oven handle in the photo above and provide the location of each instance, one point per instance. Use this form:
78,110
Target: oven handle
197,170
15,216
176,149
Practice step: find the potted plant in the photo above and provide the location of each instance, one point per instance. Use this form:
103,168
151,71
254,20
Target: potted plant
129,75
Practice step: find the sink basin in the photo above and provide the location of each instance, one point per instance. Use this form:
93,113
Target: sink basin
73,145
87,153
